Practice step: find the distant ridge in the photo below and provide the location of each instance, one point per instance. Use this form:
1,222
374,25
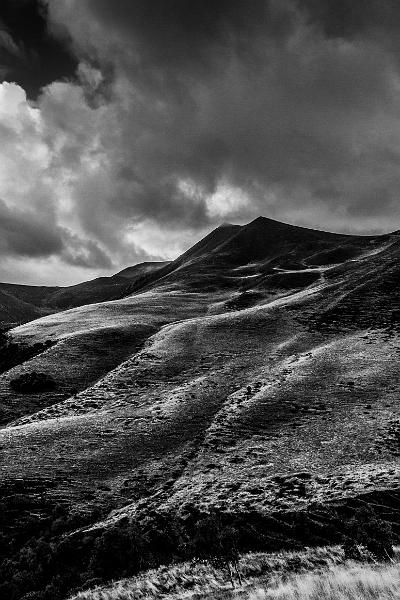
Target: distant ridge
141,269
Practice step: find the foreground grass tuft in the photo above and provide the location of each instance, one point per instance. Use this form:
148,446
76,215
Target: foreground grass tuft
341,583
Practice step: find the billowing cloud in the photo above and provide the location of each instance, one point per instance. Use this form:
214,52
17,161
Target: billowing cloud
36,212
26,233
182,114
293,102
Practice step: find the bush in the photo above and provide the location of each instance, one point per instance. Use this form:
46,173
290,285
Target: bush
13,353
217,542
33,383
56,555
117,553
368,534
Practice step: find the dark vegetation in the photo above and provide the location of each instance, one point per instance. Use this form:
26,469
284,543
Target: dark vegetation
368,534
55,556
13,354
218,543
33,383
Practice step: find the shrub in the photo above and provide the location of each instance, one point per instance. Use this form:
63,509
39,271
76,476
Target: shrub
367,533
33,383
3,338
117,553
15,353
218,543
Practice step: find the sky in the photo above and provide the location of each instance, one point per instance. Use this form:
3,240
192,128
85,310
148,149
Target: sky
131,128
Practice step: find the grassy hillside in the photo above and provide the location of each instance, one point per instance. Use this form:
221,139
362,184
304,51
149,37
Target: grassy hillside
23,303
320,574
356,583
250,376
18,307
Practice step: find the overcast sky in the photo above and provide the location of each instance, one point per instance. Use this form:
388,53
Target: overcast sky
131,128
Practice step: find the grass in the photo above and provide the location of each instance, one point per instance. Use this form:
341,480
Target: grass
341,583
201,580
314,574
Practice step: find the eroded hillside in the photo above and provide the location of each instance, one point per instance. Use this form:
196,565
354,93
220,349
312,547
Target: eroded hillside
258,374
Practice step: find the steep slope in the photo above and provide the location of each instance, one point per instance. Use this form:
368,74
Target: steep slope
141,269
231,255
190,271
251,375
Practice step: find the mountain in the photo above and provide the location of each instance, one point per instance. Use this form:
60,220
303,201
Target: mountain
222,260
256,375
231,254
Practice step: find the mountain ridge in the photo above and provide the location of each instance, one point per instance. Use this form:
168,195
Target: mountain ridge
17,308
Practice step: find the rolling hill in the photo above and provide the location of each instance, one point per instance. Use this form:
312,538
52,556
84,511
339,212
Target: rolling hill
22,303
257,375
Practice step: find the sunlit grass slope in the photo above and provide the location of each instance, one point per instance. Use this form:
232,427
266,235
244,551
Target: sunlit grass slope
201,580
315,574
342,583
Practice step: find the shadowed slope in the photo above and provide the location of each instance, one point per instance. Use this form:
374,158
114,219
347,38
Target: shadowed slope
14,310
140,270
230,255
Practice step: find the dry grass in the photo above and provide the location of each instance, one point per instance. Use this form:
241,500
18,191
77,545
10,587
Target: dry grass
202,581
314,574
341,583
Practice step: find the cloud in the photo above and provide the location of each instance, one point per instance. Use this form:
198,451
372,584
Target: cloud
36,212
353,18
182,114
24,233
295,101
8,45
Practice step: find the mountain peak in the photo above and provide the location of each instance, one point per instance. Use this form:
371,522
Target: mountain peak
266,221
261,219
225,224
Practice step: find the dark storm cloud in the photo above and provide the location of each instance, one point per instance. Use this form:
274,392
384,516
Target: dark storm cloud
176,33
29,55
27,233
271,96
84,253
34,234
352,18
